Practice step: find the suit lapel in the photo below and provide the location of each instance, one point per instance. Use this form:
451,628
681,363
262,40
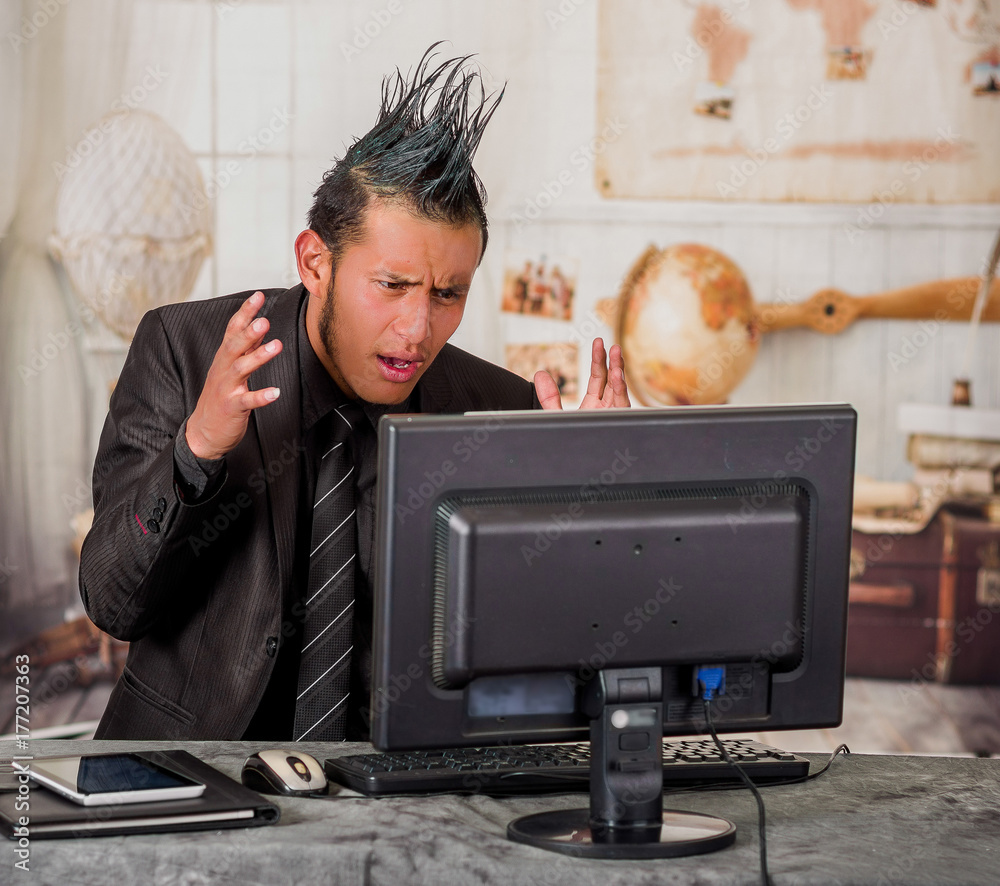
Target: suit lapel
279,425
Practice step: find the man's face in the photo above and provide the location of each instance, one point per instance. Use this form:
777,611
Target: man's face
395,299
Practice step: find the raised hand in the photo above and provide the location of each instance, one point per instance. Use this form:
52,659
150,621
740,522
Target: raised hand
220,417
605,389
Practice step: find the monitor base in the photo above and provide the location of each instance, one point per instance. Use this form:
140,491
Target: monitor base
569,831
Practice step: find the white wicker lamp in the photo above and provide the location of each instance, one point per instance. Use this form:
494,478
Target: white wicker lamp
133,225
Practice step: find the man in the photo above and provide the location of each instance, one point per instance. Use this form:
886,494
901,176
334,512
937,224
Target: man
204,551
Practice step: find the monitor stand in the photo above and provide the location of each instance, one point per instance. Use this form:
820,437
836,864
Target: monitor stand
626,818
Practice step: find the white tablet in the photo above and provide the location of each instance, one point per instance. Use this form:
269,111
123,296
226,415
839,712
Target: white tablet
106,779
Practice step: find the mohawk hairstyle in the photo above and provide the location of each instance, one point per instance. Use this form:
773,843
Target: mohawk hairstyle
419,153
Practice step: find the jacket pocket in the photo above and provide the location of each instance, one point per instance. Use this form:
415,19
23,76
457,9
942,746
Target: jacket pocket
149,695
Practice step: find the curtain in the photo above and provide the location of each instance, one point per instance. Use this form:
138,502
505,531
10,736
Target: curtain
67,69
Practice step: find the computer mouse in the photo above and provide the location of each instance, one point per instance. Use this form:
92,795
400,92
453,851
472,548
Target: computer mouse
281,771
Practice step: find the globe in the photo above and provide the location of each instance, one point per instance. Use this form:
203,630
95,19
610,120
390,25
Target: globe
686,326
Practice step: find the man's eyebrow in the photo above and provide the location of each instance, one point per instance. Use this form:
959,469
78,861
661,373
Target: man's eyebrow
395,277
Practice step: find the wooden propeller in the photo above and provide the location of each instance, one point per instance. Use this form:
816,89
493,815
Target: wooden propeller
832,311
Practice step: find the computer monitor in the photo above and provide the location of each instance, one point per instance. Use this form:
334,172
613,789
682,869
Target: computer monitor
553,576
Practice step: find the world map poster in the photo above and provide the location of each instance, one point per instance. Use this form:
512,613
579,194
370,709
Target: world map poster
807,100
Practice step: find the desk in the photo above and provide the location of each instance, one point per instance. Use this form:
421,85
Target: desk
879,820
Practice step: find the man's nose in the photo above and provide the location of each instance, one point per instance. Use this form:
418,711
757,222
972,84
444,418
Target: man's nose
414,319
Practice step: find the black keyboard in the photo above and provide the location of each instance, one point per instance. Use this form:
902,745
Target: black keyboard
552,768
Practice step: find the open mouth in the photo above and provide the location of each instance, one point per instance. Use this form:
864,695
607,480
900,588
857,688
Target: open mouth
396,363
398,369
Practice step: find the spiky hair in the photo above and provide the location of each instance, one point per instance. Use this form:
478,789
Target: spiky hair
419,153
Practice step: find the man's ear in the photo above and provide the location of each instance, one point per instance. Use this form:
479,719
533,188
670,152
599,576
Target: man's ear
314,263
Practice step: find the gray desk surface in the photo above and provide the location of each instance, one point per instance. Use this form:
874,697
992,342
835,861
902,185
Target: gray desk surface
877,820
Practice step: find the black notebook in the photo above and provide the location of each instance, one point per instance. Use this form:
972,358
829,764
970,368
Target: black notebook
225,804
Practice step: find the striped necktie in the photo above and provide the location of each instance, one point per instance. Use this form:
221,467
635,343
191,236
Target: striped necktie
327,637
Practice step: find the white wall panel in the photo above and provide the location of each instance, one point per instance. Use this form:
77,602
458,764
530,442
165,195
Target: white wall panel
253,79
857,354
964,253
913,373
255,206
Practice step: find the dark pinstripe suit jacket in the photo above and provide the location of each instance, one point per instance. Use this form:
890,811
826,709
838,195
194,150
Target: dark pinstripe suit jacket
198,589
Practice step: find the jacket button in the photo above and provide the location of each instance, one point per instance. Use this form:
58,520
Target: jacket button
271,646
153,526
157,514
162,504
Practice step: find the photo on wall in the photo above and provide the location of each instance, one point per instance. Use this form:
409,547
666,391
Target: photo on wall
539,285
984,73
558,358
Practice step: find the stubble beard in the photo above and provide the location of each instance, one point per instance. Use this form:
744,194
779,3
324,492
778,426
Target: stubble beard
327,326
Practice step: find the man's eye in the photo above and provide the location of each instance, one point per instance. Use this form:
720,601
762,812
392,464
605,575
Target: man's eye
391,284
448,295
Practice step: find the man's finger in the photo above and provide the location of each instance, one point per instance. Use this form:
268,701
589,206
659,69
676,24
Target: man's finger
246,312
598,370
616,393
255,399
255,358
254,334
244,332
547,390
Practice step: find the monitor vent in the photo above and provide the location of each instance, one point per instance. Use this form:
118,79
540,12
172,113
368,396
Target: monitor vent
589,494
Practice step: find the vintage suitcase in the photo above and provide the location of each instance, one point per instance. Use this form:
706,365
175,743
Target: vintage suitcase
927,606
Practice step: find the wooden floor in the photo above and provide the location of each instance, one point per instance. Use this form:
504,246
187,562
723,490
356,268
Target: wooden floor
880,716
